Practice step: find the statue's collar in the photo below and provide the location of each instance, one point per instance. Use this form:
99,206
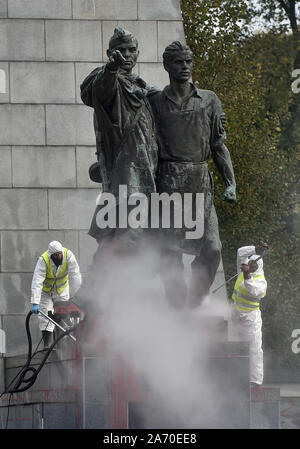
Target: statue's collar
194,92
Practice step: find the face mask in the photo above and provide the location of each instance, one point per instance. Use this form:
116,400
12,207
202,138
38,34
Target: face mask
57,260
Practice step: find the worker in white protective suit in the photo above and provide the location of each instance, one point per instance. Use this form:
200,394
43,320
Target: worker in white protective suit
250,287
56,277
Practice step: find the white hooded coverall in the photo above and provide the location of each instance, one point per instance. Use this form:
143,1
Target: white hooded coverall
45,300
247,325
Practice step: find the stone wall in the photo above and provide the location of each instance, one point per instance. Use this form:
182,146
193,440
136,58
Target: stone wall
47,142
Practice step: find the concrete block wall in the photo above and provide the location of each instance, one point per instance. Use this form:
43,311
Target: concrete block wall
47,142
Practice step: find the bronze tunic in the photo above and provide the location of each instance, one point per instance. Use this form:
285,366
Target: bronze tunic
187,137
124,117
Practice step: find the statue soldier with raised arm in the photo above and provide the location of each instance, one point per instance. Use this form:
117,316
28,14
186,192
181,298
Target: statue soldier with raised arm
125,125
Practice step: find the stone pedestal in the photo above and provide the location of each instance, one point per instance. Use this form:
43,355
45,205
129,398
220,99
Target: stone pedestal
223,404
109,385
265,408
114,396
101,390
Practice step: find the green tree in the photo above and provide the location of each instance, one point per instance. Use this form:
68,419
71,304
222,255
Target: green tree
251,74
280,18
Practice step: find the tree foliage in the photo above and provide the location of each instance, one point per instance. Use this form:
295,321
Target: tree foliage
279,17
251,74
276,15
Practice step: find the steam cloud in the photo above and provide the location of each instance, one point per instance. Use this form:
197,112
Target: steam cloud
167,348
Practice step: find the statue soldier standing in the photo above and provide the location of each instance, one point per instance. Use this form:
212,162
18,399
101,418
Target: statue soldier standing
123,118
190,127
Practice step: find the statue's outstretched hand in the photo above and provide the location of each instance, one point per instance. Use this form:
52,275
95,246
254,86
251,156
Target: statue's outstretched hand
229,194
115,60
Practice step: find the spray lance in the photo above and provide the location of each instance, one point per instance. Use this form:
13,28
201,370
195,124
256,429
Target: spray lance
252,263
57,325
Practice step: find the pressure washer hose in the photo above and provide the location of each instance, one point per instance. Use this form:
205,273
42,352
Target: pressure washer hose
27,368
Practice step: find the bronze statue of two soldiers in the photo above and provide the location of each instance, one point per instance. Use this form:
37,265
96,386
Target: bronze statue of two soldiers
155,141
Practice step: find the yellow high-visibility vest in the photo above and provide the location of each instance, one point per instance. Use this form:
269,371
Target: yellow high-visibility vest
245,302
59,282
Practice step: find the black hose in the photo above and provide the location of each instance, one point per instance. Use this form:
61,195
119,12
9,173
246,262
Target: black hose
27,368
